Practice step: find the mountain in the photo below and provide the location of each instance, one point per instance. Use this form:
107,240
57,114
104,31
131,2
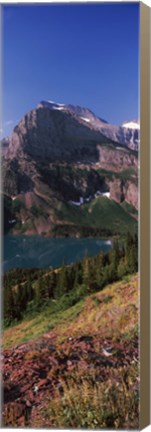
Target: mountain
127,133
59,160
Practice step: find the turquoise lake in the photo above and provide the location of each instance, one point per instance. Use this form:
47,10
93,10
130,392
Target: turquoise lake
40,252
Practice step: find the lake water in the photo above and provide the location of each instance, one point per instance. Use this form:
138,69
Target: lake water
40,252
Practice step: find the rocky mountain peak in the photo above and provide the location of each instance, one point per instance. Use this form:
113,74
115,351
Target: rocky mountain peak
126,134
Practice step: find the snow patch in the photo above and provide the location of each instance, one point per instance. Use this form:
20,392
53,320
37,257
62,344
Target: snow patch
85,119
131,125
102,194
51,101
77,203
106,194
11,221
59,108
56,104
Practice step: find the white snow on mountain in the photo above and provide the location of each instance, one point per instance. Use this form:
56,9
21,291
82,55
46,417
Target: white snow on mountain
85,119
131,125
59,108
51,101
126,134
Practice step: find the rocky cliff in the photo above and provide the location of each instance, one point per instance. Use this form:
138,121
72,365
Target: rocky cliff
57,155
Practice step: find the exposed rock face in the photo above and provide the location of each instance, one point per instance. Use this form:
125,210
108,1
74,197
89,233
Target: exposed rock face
128,134
57,153
4,146
116,158
45,133
121,190
16,179
131,194
116,190
65,132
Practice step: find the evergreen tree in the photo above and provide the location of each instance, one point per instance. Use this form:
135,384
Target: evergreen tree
50,284
9,305
38,294
62,282
86,273
132,253
114,261
122,268
29,289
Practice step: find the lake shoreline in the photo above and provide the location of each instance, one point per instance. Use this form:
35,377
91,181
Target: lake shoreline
41,252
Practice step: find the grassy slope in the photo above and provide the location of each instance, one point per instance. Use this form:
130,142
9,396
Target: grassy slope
86,390
113,311
100,213
129,208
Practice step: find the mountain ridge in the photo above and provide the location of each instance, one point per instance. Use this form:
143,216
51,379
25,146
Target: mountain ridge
58,156
114,132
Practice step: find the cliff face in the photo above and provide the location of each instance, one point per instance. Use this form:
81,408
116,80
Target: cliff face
126,135
124,190
45,133
55,157
116,158
131,194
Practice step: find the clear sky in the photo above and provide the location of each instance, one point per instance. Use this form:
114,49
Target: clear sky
86,55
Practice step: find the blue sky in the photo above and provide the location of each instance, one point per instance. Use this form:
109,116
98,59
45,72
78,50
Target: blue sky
73,53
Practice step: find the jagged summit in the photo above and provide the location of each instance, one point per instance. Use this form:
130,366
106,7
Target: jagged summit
126,134
51,105
84,113
66,131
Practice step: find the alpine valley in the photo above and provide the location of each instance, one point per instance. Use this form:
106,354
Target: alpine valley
70,342
67,172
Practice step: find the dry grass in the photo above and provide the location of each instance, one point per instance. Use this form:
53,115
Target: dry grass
112,311
111,404
117,316
88,396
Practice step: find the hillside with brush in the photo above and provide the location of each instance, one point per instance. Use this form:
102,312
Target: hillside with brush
73,331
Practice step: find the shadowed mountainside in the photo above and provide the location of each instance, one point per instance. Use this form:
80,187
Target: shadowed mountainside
57,156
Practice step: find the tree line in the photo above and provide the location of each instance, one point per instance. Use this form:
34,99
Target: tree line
30,290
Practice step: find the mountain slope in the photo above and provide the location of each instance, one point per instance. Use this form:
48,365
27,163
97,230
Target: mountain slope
68,350
58,155
127,134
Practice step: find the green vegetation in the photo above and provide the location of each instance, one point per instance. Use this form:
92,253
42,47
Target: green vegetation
129,208
60,184
37,211
75,311
127,174
28,293
84,393
101,217
69,182
97,405
17,205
